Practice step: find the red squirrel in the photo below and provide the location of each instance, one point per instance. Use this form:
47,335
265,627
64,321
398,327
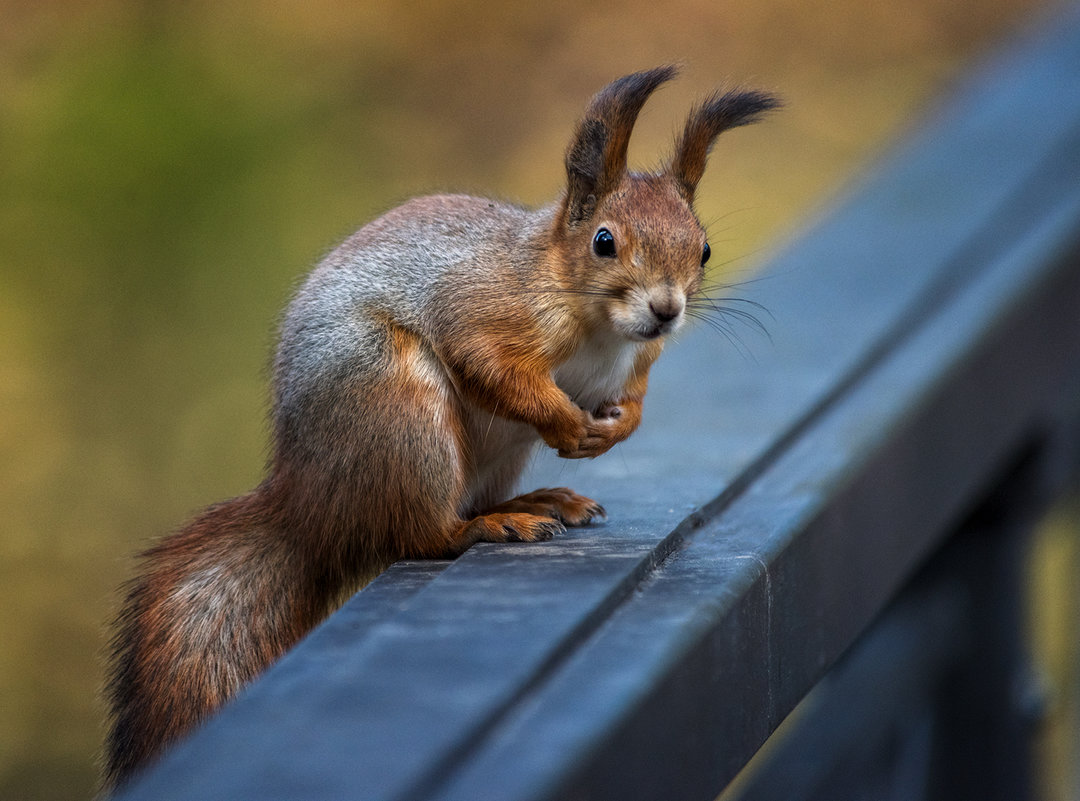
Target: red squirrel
418,366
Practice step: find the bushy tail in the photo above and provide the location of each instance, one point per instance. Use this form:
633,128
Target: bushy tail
212,606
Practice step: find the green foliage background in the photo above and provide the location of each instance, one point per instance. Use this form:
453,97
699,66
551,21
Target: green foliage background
169,170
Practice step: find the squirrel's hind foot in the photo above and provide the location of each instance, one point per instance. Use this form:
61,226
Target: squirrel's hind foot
558,503
509,527
533,517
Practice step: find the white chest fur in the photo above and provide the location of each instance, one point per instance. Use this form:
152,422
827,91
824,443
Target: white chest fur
598,370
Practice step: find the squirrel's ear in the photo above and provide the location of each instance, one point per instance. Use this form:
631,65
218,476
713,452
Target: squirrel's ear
596,158
717,114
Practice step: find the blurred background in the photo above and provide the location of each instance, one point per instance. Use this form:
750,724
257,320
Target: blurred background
168,171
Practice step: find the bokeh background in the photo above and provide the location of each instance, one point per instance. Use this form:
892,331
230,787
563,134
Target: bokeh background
169,170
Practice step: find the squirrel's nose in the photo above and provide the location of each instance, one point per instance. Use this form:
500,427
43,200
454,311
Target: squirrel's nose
667,309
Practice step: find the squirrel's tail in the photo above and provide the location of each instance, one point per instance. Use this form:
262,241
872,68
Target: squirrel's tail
210,609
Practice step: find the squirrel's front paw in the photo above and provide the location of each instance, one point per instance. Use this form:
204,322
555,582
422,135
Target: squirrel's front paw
609,411
595,436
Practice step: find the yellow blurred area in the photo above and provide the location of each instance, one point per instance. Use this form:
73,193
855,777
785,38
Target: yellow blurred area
169,170
1055,625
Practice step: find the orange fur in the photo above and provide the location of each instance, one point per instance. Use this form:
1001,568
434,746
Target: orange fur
418,366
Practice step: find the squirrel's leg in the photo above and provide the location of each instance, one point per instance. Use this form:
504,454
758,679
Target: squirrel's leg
420,471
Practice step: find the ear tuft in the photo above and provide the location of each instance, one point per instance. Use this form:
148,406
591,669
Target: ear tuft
596,158
720,112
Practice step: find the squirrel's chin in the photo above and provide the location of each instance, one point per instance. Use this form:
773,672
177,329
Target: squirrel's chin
647,333
644,334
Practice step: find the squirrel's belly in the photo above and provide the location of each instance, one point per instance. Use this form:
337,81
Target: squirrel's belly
499,449
598,371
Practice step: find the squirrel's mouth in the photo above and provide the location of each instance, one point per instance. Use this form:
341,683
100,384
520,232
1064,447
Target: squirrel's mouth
653,333
644,333
642,318
646,330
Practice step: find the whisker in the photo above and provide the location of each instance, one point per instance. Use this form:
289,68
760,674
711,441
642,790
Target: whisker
732,299
518,290
728,262
717,218
725,331
724,285
741,315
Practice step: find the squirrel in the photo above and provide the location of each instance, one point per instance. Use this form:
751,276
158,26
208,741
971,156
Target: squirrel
418,366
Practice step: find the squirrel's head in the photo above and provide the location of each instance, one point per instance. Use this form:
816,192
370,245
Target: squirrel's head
634,246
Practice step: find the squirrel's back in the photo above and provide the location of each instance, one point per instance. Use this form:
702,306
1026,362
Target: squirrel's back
404,268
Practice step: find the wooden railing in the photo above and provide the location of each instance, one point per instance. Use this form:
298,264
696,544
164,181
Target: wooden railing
917,407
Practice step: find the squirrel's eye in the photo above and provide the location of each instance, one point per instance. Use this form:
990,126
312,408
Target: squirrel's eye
603,244
705,253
